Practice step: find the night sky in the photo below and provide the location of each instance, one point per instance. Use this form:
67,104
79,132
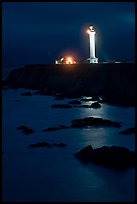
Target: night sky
40,32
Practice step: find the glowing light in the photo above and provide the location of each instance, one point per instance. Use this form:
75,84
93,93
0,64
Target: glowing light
62,59
88,31
69,60
91,27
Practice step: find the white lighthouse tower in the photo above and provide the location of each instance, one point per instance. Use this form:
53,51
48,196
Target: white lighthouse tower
92,33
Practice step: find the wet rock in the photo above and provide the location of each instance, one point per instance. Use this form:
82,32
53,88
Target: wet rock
22,127
51,129
46,144
95,98
60,127
75,102
61,106
40,144
95,105
113,156
25,129
28,93
128,131
83,80
91,121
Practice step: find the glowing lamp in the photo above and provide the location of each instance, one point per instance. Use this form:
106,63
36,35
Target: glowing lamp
88,31
69,60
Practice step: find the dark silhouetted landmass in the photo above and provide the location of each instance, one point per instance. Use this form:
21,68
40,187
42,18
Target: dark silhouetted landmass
114,82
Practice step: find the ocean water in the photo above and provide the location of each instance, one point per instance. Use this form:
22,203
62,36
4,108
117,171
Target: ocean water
54,174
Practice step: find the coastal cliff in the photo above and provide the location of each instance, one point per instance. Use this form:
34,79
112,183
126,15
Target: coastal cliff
115,82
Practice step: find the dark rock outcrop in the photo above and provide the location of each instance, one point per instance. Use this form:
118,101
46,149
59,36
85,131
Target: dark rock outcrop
95,98
51,129
128,131
60,127
92,121
95,105
25,129
46,144
113,156
40,144
107,80
75,102
61,106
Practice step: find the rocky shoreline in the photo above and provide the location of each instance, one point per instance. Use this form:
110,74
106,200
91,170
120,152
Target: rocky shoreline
114,83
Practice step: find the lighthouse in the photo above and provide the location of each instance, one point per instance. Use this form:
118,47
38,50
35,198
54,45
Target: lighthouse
92,33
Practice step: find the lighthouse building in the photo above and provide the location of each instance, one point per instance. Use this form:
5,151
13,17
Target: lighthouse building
92,33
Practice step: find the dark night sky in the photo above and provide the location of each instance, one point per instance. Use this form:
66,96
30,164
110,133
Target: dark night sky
39,32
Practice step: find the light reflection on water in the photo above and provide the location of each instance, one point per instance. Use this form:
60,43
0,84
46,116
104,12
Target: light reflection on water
54,174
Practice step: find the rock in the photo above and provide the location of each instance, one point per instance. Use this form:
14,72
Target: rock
113,156
56,128
40,144
61,106
82,80
28,131
22,127
51,129
25,129
45,144
85,154
28,93
63,126
75,102
91,121
95,105
128,131
95,98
